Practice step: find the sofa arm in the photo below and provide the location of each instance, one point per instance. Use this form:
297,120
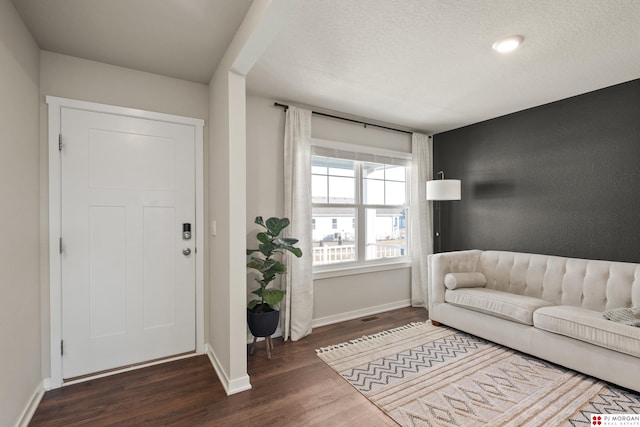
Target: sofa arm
448,262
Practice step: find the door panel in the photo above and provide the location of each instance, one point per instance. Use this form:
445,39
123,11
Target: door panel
128,292
122,161
107,271
159,268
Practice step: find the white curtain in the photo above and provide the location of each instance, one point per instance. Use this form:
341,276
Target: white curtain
298,302
421,221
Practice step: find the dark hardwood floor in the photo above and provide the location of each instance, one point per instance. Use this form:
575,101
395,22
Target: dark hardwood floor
294,388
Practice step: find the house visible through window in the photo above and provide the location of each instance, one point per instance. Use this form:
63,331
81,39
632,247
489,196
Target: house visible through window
360,206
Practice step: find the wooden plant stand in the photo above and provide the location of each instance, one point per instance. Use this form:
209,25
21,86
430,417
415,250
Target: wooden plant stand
268,343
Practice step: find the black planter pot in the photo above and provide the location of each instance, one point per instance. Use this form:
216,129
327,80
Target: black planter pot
263,324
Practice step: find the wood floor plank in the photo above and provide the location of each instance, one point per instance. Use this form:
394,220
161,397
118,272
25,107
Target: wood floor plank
294,388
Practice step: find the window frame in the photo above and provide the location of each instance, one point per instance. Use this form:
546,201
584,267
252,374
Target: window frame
361,265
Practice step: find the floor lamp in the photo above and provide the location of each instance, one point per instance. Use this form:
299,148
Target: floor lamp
439,190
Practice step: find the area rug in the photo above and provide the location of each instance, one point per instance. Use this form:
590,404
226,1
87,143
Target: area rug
423,375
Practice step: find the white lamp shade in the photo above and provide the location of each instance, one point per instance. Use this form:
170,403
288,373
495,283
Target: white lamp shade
443,189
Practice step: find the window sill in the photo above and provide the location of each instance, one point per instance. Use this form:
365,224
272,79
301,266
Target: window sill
339,271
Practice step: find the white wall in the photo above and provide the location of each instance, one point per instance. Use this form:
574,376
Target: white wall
227,185
265,160
219,338
265,173
70,77
20,375
335,298
228,190
348,297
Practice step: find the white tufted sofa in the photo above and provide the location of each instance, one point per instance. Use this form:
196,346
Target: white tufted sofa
547,306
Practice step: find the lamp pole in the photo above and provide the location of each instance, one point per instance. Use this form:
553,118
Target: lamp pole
438,231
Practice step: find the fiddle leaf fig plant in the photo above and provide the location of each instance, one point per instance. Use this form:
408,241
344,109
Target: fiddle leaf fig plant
266,260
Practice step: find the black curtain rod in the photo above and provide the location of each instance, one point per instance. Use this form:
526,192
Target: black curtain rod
277,104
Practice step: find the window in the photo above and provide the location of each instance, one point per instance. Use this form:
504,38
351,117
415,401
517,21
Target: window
360,205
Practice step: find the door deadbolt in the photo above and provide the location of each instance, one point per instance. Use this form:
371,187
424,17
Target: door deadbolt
186,252
186,231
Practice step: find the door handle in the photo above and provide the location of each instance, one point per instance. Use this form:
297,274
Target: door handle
186,252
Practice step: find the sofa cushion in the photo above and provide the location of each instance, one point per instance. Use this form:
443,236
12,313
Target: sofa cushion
517,308
464,280
588,326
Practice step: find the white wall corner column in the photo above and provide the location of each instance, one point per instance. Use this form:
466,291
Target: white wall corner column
228,193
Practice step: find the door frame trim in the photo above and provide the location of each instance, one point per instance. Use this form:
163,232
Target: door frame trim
55,106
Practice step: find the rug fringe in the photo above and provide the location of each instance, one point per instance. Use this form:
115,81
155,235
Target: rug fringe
366,338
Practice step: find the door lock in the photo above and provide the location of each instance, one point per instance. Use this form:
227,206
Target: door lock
186,231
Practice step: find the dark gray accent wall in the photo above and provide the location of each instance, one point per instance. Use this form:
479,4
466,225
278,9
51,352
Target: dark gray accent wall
558,179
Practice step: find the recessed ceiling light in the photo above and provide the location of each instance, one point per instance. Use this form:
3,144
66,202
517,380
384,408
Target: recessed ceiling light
507,45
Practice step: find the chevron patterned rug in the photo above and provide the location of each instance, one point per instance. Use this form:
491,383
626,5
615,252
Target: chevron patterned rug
422,375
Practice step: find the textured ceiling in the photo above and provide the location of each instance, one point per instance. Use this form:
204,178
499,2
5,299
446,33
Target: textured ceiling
185,39
420,64
428,65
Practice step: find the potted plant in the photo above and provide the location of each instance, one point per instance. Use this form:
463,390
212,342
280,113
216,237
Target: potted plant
263,314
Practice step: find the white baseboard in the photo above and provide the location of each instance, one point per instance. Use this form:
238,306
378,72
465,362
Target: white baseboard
230,386
32,405
350,315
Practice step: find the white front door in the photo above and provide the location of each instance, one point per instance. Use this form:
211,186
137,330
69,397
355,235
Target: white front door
128,279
